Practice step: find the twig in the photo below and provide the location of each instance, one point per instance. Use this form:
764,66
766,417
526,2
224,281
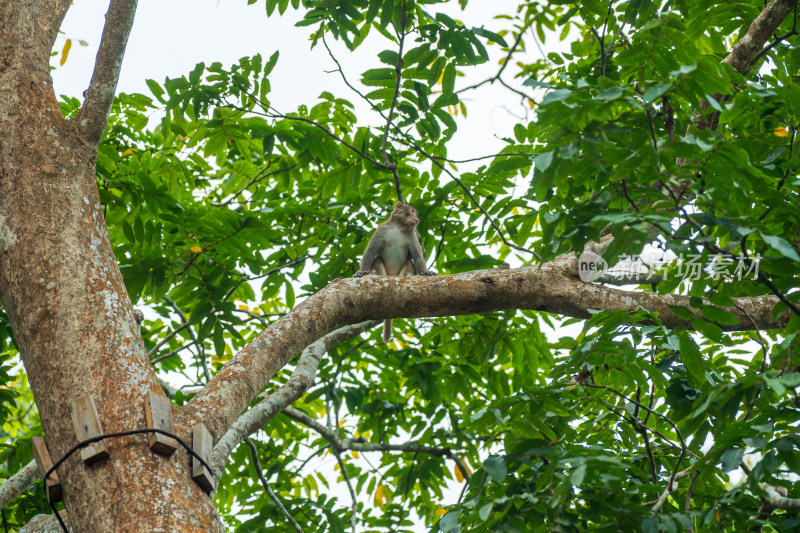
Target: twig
671,487
353,499
473,200
683,449
271,112
167,339
361,445
398,78
269,272
170,354
268,489
688,505
201,352
504,62
257,179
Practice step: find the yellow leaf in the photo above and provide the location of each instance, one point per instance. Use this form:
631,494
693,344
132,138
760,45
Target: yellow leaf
380,495
779,132
718,516
181,137
531,103
440,511
244,308
440,79
459,475
341,423
354,454
65,51
129,151
196,249
515,211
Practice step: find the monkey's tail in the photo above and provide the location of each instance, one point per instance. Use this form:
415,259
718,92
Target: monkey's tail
387,330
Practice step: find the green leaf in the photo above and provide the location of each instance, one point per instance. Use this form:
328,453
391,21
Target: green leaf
491,36
543,161
612,93
720,316
449,79
271,62
449,522
781,245
556,96
731,459
692,359
495,466
655,92
684,313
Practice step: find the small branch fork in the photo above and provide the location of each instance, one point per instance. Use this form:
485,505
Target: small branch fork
299,382
503,65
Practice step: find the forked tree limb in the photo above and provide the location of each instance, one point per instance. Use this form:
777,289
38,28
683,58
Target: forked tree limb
299,382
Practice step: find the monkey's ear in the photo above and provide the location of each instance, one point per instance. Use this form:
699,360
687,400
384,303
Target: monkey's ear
398,205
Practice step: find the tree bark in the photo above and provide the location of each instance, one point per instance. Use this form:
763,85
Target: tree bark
71,315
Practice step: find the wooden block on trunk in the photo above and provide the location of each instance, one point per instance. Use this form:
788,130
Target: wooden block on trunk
158,414
87,425
201,445
52,486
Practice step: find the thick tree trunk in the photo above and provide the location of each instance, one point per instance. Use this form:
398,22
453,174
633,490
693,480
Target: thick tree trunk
70,312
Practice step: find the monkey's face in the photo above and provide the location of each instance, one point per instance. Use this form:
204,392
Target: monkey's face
406,216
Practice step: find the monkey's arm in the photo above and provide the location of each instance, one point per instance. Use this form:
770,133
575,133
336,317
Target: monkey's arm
373,251
417,252
421,246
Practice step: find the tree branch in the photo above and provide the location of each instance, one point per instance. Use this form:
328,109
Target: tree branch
548,288
299,382
359,444
744,52
93,115
18,483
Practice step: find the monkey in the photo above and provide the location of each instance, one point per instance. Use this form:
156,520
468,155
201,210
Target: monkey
395,250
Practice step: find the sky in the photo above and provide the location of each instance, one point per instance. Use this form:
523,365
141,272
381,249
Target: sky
170,37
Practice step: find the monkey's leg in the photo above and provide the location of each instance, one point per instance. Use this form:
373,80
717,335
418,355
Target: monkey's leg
379,267
407,269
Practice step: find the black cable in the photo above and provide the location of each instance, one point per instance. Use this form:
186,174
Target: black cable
107,436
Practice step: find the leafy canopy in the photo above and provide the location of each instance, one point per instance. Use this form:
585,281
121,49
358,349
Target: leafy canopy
229,210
